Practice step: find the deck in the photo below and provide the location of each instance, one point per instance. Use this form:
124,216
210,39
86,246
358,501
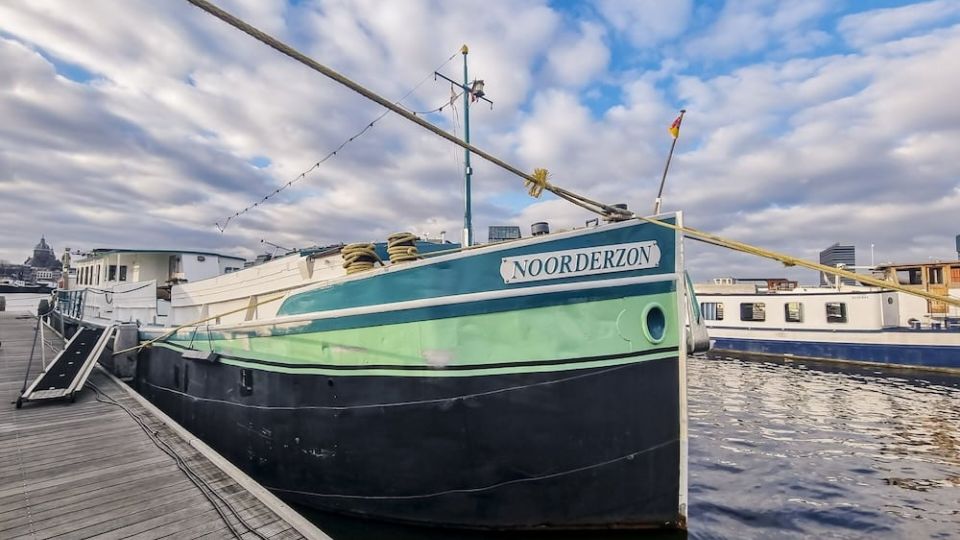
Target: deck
89,470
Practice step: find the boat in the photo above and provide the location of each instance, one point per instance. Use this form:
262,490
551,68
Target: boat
531,383
843,323
10,286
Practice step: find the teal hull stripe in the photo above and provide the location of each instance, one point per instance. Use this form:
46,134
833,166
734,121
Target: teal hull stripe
475,273
444,311
394,367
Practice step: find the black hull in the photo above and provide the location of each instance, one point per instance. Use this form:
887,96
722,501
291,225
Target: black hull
572,449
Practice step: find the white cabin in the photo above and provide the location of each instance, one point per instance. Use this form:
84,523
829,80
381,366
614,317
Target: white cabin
127,285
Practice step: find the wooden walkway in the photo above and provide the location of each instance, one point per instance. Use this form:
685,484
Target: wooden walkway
88,469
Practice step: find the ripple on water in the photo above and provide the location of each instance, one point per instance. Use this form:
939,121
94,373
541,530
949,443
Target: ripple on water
789,450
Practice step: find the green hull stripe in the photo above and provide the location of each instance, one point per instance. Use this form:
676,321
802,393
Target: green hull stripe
536,339
435,312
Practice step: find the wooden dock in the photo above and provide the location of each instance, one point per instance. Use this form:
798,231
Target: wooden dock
90,470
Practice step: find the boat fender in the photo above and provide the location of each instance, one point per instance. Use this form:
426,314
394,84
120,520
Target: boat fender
124,365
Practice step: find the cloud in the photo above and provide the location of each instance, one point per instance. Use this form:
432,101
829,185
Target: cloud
577,60
880,25
646,22
745,27
784,144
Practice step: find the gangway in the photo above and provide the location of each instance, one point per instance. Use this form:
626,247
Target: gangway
68,372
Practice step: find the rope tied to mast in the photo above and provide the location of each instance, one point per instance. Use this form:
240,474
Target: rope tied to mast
538,182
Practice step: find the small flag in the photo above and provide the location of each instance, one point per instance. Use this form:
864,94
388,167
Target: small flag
674,128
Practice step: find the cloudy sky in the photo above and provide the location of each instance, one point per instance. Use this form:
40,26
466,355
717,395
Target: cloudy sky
129,123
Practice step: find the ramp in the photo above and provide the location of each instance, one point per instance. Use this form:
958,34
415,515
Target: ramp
71,367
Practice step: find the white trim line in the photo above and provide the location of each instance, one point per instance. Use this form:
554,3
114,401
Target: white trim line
278,507
489,248
445,300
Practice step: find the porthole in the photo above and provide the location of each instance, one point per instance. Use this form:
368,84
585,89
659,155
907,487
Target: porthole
654,323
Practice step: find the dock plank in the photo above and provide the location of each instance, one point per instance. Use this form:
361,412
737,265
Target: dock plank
88,469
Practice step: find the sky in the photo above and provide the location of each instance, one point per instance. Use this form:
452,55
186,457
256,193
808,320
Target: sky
142,124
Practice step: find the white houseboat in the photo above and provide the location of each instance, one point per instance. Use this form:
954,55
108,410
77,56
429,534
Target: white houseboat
849,323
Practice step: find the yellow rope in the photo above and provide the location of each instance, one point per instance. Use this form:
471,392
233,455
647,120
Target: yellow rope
538,182
359,257
790,260
402,247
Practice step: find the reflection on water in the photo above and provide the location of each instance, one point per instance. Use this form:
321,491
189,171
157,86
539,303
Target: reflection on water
795,450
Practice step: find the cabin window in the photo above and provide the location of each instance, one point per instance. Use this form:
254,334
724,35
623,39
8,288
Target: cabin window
123,273
246,382
935,275
98,275
753,311
793,312
712,311
836,312
112,272
909,276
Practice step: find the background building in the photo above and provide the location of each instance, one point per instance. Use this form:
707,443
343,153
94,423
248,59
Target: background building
834,255
500,233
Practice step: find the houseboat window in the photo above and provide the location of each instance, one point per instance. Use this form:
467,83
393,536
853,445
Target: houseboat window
935,275
909,276
712,311
754,311
793,312
836,312
98,275
112,272
123,272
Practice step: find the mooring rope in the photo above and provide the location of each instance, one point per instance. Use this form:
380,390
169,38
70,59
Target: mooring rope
359,257
402,247
789,260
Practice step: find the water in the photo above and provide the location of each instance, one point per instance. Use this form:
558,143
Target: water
795,450
23,301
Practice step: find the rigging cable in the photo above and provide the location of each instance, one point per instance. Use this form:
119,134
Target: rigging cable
536,182
334,152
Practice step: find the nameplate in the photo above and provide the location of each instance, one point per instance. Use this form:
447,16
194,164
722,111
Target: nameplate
580,262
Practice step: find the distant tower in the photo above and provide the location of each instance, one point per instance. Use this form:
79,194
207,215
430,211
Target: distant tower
834,255
43,256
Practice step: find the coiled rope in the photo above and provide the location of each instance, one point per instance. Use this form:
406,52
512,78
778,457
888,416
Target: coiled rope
359,257
402,247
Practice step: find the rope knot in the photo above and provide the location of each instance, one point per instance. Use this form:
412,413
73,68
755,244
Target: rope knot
538,182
